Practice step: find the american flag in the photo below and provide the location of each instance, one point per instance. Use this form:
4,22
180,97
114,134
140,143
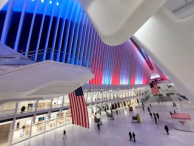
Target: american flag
154,88
79,112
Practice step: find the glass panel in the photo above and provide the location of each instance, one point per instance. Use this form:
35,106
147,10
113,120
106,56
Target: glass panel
95,96
7,108
51,122
60,100
26,106
66,100
89,97
111,95
61,119
54,103
44,104
22,130
68,116
38,126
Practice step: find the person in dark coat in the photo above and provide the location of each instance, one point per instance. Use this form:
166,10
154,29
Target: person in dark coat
150,106
167,129
170,113
151,115
157,115
148,109
64,134
134,137
98,125
155,119
23,109
143,108
130,135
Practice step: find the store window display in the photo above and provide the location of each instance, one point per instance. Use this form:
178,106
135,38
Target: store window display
111,95
39,125
22,130
66,100
89,97
60,101
51,121
95,97
68,116
120,94
99,95
26,106
44,104
55,103
60,119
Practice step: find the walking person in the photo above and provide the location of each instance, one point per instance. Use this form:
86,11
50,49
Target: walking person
98,125
150,106
151,115
167,129
157,115
143,108
130,135
148,109
155,119
134,140
64,134
170,113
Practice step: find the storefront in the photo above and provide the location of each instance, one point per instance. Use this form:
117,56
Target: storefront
38,124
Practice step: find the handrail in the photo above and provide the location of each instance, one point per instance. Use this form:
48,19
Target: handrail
48,54
15,58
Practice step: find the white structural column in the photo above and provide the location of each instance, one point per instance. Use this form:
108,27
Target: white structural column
13,123
169,42
112,18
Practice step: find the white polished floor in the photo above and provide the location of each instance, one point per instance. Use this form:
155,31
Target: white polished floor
115,132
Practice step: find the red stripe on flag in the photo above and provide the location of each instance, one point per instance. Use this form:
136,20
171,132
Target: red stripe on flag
85,113
74,109
79,112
